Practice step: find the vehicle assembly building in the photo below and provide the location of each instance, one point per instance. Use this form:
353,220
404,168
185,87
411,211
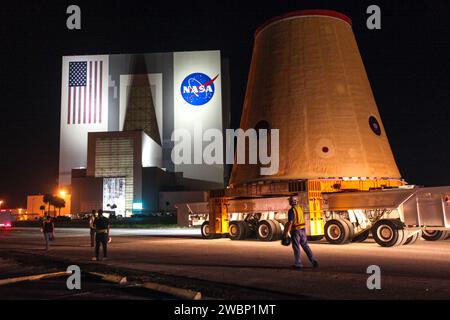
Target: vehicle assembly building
118,114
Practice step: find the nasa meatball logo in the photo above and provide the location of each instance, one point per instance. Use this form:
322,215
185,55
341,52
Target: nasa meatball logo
198,89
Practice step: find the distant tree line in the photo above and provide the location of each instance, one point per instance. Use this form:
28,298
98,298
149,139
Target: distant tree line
55,201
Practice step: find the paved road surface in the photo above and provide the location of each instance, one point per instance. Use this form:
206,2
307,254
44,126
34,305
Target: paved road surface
419,271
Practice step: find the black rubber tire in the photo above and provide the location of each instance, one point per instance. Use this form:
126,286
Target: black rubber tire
275,230
351,229
413,238
337,231
435,235
315,238
402,237
392,235
278,234
205,231
361,237
266,230
238,230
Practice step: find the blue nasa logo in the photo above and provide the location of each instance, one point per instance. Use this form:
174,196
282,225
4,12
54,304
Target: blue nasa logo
197,88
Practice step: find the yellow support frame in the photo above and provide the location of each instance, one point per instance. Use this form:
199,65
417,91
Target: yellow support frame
219,221
319,186
218,206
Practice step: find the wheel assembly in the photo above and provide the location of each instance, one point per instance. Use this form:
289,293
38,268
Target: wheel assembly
337,231
351,229
434,235
233,230
238,230
402,237
266,230
278,231
206,234
413,238
388,233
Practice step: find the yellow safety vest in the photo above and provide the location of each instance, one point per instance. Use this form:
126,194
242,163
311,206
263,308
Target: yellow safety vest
299,218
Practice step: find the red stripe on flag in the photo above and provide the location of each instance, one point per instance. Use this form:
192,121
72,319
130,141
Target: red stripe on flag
79,104
100,102
74,109
95,93
90,89
68,106
84,104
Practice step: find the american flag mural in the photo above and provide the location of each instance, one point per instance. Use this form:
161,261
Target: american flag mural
84,103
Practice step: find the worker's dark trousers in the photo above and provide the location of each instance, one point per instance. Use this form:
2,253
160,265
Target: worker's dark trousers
298,238
92,237
47,237
101,238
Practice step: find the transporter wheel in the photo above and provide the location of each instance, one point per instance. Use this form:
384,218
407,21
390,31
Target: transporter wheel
361,237
388,234
337,231
234,230
206,234
238,230
434,235
278,231
413,238
351,229
266,230
402,237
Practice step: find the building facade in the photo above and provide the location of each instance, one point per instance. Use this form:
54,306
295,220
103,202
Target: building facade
118,116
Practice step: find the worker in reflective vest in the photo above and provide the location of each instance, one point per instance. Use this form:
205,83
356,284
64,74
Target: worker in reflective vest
296,227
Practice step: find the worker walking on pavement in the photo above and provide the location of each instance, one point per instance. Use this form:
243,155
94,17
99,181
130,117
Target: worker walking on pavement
48,229
296,227
92,228
101,225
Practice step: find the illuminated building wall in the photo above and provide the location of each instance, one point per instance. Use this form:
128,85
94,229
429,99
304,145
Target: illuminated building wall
204,111
125,92
34,202
84,108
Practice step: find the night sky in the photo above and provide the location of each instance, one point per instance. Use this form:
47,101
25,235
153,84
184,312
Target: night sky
408,64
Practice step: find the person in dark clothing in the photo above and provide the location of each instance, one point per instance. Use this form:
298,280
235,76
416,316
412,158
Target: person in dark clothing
48,228
91,227
101,225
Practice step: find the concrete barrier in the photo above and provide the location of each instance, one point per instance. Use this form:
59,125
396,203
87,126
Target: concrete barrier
33,277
